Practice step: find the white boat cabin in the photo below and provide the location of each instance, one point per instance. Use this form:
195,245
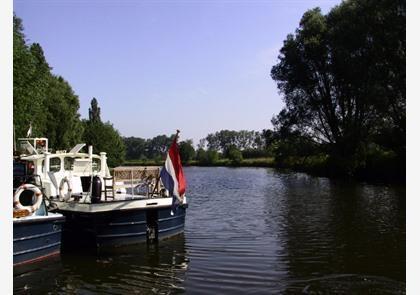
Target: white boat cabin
54,167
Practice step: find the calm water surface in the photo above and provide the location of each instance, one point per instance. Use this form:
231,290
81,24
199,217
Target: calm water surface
253,230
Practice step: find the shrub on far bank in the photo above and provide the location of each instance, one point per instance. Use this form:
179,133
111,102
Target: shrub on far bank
376,165
186,151
234,155
255,153
208,157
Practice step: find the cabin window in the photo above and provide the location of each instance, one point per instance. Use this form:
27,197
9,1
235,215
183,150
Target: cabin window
55,164
68,163
96,164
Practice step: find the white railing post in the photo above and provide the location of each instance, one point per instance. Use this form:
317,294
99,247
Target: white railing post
132,185
103,164
46,164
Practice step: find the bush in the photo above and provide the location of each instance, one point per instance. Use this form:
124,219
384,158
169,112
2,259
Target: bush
207,157
212,156
255,153
186,151
234,155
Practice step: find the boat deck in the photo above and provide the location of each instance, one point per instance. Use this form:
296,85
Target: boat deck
120,203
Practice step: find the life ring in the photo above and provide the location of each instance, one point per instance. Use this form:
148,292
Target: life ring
37,193
65,197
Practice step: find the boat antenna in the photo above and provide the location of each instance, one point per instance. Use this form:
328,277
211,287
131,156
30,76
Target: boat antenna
29,133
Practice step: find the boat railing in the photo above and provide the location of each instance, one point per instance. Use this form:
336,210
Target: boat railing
137,178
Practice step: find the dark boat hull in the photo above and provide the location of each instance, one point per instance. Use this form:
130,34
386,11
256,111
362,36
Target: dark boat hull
121,227
36,239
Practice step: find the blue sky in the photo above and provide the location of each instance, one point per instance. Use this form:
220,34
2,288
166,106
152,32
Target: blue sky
155,66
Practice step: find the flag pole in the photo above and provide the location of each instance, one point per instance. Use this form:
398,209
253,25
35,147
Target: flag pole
177,135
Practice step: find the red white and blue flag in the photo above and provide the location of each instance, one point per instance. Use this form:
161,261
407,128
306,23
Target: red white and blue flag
172,175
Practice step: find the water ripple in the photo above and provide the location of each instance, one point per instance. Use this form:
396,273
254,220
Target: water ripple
255,231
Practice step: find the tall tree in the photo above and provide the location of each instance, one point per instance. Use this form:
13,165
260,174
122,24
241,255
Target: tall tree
342,75
94,111
104,137
30,76
186,150
41,99
63,127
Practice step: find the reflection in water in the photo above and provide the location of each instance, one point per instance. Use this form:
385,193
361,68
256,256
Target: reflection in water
33,278
254,230
336,231
139,269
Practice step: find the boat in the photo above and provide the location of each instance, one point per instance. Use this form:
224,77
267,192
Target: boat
101,209
36,231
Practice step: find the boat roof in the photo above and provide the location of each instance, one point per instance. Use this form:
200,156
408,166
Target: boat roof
36,153
59,154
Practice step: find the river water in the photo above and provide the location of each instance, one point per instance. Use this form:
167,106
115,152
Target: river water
253,231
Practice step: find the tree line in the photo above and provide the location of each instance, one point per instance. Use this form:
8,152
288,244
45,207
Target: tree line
228,144
48,104
342,77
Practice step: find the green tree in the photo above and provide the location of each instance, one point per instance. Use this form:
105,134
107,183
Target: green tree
234,155
135,148
104,138
41,99
30,77
244,139
223,139
226,138
63,126
208,157
202,143
343,76
212,157
201,156
157,146
213,142
186,150
94,111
